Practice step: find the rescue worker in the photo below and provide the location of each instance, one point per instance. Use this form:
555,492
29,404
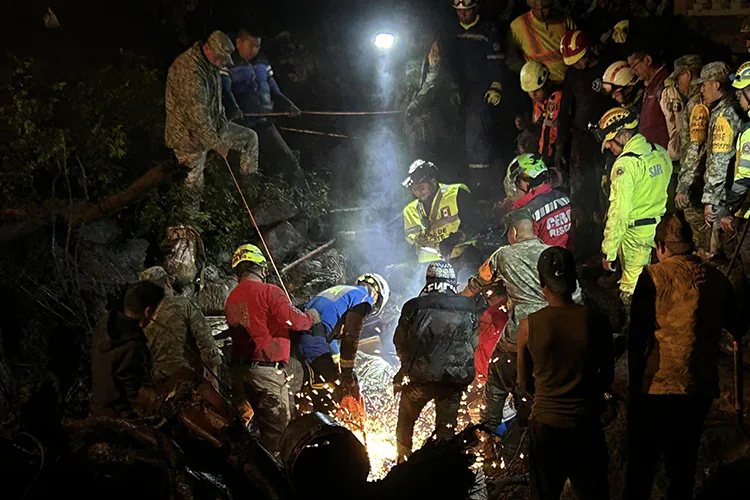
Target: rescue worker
652,71
260,316
638,197
565,360
435,340
536,36
527,183
693,129
514,265
440,223
738,205
196,122
120,359
250,88
579,157
620,82
723,126
343,310
545,99
179,337
475,59
680,307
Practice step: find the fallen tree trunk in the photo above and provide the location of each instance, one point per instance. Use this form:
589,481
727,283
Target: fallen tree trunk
79,214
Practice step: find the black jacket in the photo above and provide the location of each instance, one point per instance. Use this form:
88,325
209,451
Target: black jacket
436,337
120,364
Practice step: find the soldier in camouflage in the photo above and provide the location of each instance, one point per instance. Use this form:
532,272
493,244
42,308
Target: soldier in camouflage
179,337
514,265
692,130
196,122
723,126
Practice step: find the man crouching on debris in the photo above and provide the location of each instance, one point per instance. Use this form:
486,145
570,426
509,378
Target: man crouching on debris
120,359
179,337
435,340
260,316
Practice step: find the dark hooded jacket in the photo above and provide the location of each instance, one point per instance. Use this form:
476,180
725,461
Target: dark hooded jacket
436,338
120,364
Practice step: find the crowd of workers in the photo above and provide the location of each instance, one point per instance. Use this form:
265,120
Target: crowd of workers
627,153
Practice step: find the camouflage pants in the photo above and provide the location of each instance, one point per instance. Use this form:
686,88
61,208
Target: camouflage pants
701,231
635,254
267,391
237,138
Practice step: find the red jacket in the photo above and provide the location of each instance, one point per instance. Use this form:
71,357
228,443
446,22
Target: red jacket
653,124
551,211
260,317
491,324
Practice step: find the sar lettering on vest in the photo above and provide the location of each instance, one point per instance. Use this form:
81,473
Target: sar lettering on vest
655,170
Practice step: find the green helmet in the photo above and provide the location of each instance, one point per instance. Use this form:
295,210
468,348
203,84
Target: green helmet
529,165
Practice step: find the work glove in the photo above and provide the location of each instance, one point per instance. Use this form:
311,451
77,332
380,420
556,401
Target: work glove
493,97
447,245
234,115
682,201
315,314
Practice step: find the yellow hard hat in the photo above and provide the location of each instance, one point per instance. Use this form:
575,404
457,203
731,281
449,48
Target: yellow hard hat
741,79
613,121
533,76
248,253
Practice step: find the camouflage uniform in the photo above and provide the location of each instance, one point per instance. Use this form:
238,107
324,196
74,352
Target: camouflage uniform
196,122
179,335
693,128
514,266
723,126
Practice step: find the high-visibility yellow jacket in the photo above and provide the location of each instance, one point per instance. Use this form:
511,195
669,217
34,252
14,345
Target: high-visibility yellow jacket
737,200
639,181
540,41
426,231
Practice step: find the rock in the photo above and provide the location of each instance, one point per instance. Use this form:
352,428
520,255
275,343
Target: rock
316,274
275,211
101,232
216,288
282,240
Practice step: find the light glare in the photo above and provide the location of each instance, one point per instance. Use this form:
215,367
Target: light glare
384,40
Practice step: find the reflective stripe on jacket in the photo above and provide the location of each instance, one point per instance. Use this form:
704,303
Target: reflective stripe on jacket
540,42
427,231
639,181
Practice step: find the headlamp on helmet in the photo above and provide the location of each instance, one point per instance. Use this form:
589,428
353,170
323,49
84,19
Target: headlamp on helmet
420,171
378,289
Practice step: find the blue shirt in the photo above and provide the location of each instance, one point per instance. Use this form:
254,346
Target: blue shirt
332,304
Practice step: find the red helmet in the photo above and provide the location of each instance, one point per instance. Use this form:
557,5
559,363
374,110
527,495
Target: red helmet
573,47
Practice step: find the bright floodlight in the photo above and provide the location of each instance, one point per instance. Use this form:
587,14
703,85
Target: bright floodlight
384,40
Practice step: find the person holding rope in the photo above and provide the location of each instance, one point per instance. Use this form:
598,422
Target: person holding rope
196,123
251,89
260,316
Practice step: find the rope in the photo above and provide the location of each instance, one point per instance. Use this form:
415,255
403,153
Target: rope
312,132
326,113
255,224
